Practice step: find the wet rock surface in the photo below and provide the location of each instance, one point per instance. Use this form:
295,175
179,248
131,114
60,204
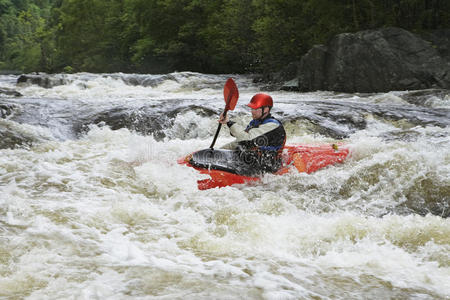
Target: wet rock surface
375,61
147,120
339,119
9,92
426,97
7,110
11,138
387,59
427,196
43,80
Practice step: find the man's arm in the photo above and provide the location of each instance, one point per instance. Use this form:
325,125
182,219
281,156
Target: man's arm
240,134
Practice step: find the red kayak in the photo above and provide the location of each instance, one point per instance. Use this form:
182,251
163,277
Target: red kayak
224,169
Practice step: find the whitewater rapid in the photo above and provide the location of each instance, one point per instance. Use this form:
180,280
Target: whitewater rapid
93,204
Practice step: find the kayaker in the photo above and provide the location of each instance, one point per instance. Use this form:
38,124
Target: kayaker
262,141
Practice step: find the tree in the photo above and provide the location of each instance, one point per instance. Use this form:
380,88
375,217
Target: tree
89,35
166,33
229,38
280,32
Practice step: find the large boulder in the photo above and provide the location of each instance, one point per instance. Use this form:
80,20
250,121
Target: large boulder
439,39
374,61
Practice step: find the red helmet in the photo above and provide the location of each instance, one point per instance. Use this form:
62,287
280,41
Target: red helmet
260,100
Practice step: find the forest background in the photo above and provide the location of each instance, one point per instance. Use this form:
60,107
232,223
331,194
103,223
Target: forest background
220,36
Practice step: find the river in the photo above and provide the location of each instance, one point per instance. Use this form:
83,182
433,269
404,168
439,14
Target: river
93,204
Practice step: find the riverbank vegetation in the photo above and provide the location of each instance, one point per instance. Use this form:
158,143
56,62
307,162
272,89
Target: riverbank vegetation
222,36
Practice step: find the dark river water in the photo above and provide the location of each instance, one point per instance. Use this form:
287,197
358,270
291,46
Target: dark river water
93,204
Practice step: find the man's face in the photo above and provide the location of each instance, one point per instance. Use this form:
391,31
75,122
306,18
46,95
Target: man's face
258,113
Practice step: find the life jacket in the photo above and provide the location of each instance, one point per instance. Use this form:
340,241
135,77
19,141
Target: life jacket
264,151
273,140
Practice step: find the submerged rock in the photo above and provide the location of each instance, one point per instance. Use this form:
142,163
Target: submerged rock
43,80
147,120
6,110
9,92
332,121
426,97
138,120
427,196
10,138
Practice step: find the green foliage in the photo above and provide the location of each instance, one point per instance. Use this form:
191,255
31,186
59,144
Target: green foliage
157,36
68,69
5,6
229,38
25,35
278,29
84,39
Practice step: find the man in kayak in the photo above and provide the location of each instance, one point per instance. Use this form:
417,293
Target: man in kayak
262,141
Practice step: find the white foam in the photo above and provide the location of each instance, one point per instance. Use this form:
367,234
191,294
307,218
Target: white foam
111,215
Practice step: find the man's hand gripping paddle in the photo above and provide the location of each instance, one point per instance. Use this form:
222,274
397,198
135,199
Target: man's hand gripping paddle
231,95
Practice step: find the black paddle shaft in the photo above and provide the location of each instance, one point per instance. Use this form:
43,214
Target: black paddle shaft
229,95
218,130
